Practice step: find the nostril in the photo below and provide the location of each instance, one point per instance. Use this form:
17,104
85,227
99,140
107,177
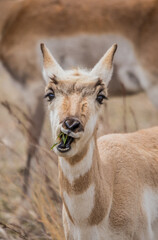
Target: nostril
72,124
75,125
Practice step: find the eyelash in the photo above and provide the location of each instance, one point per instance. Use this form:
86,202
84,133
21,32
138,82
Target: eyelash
50,96
102,97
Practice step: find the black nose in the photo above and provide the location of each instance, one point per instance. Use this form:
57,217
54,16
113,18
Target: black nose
72,124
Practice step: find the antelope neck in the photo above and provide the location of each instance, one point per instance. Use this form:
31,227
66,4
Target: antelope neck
80,164
83,182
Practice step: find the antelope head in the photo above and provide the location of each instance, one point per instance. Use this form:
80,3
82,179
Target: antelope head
76,99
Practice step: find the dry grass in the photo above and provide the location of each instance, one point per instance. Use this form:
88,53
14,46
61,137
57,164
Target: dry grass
41,215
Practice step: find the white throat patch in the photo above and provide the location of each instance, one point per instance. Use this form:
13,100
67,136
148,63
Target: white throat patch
80,168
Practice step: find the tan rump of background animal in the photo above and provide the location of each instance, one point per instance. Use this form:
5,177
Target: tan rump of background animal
30,21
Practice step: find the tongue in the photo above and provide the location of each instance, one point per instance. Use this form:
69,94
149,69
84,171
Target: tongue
66,146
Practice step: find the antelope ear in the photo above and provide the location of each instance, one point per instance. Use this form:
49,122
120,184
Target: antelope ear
50,66
104,68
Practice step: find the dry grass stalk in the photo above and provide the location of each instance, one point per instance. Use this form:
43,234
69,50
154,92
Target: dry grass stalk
22,120
134,118
20,232
47,212
124,108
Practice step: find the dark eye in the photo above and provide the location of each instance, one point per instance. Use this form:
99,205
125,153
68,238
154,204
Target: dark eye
50,96
100,98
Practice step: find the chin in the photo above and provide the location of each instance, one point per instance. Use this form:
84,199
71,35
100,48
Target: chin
66,154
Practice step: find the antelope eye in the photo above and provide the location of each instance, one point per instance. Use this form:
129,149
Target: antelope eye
100,98
50,96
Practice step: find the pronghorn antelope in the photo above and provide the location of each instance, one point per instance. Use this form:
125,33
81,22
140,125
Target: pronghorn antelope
109,186
29,21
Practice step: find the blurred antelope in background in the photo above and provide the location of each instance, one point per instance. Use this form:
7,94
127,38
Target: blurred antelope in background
109,186
24,23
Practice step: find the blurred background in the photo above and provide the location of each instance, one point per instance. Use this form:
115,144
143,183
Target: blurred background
78,34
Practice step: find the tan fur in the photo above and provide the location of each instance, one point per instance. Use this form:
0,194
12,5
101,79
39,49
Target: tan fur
78,186
105,183
136,161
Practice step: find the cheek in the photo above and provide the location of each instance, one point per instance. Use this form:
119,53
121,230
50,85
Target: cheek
54,120
90,114
103,111
86,110
55,112
90,125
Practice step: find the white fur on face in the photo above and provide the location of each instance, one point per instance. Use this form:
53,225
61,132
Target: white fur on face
54,118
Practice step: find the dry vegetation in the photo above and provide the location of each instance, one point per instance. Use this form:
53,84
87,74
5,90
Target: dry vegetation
40,218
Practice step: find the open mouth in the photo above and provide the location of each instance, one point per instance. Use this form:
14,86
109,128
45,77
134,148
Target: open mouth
65,143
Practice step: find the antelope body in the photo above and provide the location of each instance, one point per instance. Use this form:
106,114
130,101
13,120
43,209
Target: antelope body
109,186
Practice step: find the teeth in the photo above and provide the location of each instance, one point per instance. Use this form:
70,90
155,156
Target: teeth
63,149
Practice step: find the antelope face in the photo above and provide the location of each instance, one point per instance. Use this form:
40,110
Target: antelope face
76,99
